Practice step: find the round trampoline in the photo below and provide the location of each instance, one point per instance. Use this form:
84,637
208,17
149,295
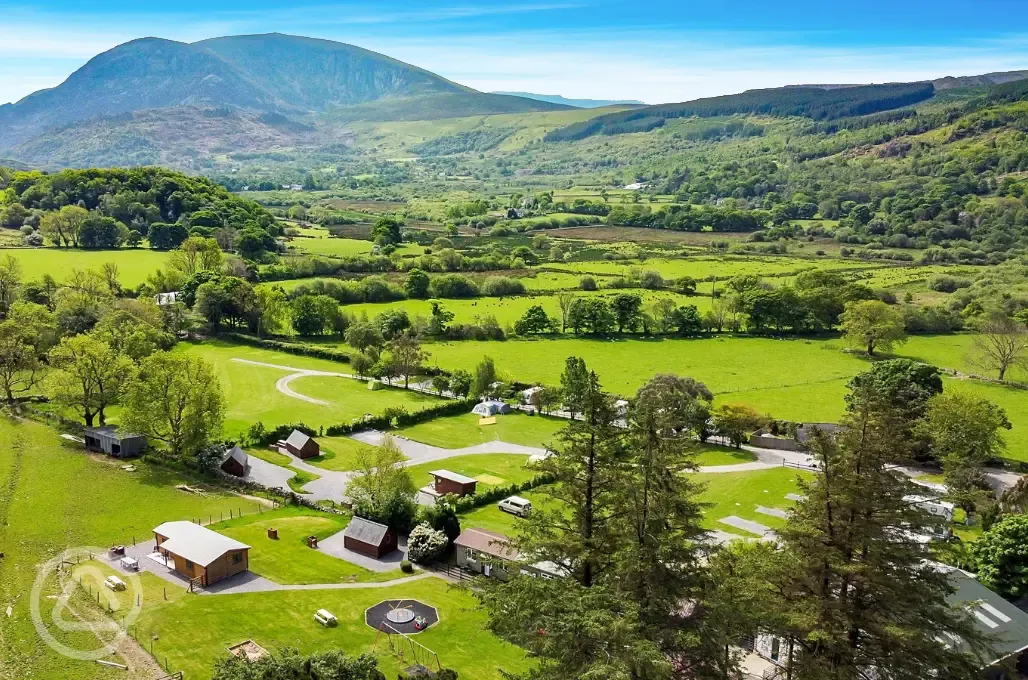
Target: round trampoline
401,616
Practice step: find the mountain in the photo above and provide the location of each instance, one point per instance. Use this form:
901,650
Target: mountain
983,80
285,75
577,103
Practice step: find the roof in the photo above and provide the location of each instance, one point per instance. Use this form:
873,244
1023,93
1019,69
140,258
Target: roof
488,542
1005,624
366,531
112,432
453,477
297,439
195,543
238,454
517,499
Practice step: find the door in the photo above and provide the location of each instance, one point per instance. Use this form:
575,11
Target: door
487,570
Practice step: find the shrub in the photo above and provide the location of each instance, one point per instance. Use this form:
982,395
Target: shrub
425,544
587,283
502,286
406,567
947,284
652,280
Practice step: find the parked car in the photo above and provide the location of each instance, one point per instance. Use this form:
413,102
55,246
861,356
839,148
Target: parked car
516,505
114,583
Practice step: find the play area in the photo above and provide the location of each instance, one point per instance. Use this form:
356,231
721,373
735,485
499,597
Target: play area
405,617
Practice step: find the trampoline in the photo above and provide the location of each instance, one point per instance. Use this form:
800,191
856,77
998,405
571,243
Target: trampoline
401,616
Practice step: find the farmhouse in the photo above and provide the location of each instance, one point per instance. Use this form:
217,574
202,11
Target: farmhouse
302,445
236,462
451,482
107,439
369,538
199,553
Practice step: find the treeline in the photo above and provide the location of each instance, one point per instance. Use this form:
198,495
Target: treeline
688,218
476,141
809,102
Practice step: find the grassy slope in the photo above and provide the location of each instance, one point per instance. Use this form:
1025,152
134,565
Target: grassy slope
53,498
457,432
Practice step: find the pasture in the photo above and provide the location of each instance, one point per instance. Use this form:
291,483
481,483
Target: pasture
251,394
708,267
456,432
56,497
134,264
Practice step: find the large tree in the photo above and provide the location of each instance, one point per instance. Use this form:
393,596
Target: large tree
62,227
856,592
88,376
10,282
1001,345
197,254
382,489
175,400
906,386
407,356
871,325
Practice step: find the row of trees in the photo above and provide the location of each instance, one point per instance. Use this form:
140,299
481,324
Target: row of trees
645,596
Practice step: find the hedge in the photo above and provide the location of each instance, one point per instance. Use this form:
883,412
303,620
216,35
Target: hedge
297,348
400,417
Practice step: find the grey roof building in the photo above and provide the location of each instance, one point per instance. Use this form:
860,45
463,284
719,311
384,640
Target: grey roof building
107,439
369,538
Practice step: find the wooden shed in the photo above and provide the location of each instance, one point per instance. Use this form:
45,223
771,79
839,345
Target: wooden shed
302,445
369,538
107,439
200,553
236,462
451,482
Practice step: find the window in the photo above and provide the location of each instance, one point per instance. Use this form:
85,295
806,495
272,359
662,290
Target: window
470,554
237,558
189,565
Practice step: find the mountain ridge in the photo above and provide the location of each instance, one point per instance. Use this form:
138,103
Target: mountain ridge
578,103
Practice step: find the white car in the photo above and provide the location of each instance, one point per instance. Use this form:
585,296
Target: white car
516,505
114,583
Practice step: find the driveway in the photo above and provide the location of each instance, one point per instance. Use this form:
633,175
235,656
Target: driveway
419,453
268,474
333,545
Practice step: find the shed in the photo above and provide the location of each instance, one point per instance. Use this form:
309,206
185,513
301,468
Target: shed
491,408
369,538
236,462
302,445
107,439
451,482
198,552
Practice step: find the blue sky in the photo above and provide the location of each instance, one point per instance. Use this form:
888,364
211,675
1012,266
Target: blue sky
654,50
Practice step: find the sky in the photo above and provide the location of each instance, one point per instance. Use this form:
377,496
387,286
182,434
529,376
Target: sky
654,50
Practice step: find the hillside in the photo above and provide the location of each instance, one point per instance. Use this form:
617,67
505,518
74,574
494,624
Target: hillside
262,74
579,103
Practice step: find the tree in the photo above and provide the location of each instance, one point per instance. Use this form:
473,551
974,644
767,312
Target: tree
565,300
857,594
965,433
362,334
176,400
383,490
100,231
197,254
485,377
1001,554
440,383
591,315
460,383
663,311
407,356
416,284
272,310
307,315
534,321
362,363
253,243
134,328
687,320
87,376
62,227
627,308
167,236
288,664
387,231
871,325
737,422
28,333
10,282
906,386
425,544
1002,344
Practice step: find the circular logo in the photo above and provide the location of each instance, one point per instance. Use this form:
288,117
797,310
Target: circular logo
121,596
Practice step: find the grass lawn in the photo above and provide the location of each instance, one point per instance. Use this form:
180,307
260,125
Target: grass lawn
492,518
194,631
490,469
56,497
301,478
713,454
457,432
339,453
288,559
739,494
251,396
134,264
273,457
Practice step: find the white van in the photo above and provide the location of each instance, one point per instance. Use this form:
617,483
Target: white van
516,505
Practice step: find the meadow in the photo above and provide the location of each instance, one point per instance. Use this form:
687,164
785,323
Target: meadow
134,264
456,432
708,267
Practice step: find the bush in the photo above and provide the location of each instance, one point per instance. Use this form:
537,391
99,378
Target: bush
502,286
587,283
651,280
425,544
453,286
947,284
406,567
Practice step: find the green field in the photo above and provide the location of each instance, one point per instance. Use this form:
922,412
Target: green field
331,246
490,469
251,396
56,497
457,432
713,454
705,267
739,494
134,264
339,453
194,630
288,560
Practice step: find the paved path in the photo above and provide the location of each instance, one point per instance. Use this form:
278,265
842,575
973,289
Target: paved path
418,453
282,385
